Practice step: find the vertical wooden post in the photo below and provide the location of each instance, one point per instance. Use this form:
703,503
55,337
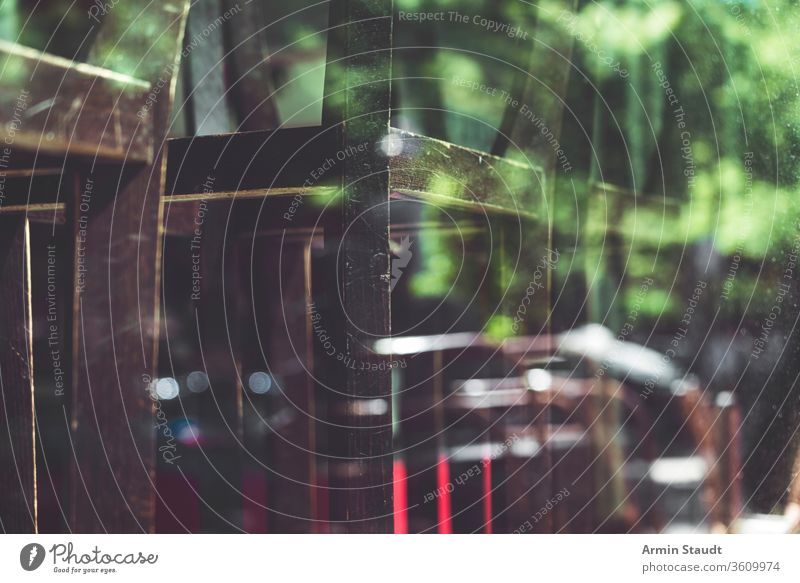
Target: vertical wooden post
220,413
220,407
727,438
357,96
17,437
116,229
279,425
114,343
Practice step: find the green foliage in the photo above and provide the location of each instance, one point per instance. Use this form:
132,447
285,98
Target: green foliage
499,327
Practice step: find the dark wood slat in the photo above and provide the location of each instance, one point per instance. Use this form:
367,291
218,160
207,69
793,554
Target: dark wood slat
54,106
728,442
420,167
17,456
220,410
280,425
33,189
357,271
114,321
240,195
49,214
116,227
434,170
37,212
51,300
211,332
253,160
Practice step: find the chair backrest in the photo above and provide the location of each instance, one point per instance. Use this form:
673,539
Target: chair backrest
85,153
92,137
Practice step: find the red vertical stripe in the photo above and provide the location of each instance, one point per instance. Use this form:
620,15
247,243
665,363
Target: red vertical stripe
323,504
443,486
254,487
400,497
487,495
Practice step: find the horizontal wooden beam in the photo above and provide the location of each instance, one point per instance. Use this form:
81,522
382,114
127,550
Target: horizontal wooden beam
254,161
31,188
24,209
52,105
449,175
257,164
323,191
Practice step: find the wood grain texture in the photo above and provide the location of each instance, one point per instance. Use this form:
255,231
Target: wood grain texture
220,409
70,108
114,333
116,227
17,456
420,167
357,310
450,175
280,426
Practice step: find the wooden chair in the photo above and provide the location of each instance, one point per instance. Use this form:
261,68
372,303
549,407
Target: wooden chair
258,182
83,175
